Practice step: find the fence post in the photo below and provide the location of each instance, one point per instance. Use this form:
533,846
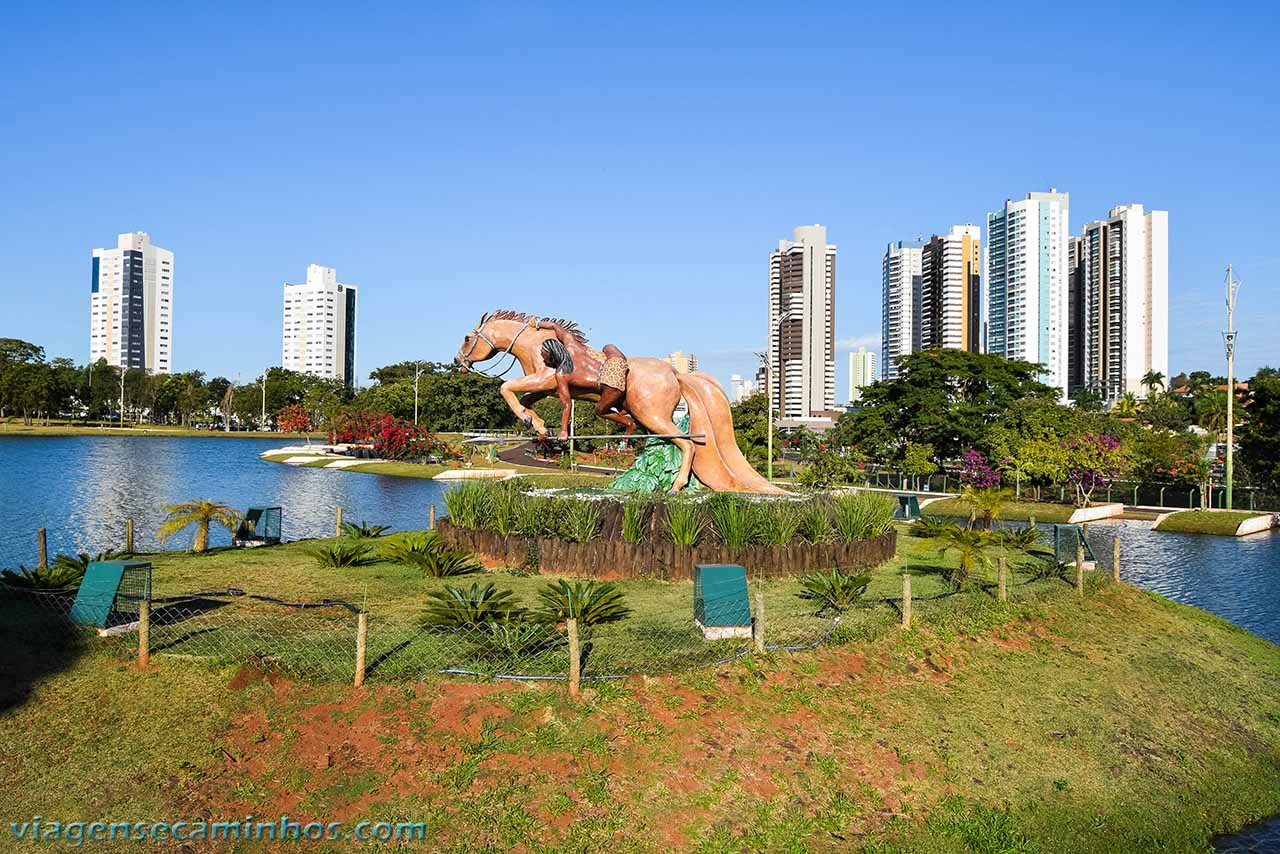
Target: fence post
575,659
1080,567
1115,558
144,633
362,640
337,527
128,535
759,626
42,549
906,601
1002,592
431,516
1031,522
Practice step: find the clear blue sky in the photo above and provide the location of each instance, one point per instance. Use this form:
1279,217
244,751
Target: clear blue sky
628,169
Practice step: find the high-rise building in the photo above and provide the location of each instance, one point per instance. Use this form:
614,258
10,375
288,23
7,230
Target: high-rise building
131,305
740,388
320,326
862,372
951,291
900,274
802,308
1027,283
684,363
1120,302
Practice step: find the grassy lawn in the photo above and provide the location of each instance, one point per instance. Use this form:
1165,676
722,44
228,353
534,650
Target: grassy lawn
1221,522
1121,722
15,427
541,477
1018,511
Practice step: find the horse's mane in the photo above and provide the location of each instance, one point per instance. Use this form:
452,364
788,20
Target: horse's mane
570,326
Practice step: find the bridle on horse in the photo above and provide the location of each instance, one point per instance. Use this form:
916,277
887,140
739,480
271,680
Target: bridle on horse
478,332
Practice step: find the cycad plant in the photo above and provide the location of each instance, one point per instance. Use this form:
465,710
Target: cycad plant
970,547
930,526
80,561
470,607
52,577
363,530
833,591
591,603
343,553
446,563
685,521
986,502
407,548
200,513
515,639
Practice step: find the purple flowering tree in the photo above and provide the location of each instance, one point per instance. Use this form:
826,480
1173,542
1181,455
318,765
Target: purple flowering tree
1093,461
982,488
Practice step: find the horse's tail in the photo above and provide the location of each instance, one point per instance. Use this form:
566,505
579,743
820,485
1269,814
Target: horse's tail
717,460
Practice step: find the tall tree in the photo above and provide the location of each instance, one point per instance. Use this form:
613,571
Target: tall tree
1260,434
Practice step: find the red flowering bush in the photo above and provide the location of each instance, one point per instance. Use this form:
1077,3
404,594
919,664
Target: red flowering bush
294,419
392,438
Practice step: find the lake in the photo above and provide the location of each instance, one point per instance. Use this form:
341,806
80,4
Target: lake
81,489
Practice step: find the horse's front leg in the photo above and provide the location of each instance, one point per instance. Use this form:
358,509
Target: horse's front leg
543,381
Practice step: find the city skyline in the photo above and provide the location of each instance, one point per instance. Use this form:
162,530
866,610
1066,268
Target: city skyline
618,163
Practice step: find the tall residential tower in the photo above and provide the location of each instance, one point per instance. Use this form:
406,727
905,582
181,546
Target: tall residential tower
951,290
900,303
862,372
1027,283
1120,302
131,305
802,287
320,326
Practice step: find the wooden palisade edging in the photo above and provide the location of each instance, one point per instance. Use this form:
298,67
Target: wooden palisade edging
607,557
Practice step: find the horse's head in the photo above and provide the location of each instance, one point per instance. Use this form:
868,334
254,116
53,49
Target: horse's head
495,335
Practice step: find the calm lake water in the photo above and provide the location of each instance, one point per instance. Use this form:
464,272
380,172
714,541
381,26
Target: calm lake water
83,488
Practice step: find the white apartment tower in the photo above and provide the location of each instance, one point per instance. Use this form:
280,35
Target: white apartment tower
320,326
131,305
1027,283
802,287
1120,302
862,372
900,272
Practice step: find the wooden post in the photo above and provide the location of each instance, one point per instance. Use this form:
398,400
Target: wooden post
575,659
144,633
431,516
1080,567
337,527
1115,558
1002,592
1031,522
362,640
42,549
759,627
128,536
906,601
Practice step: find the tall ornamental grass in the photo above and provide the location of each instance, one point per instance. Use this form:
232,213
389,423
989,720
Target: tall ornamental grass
861,516
735,520
467,504
685,521
635,513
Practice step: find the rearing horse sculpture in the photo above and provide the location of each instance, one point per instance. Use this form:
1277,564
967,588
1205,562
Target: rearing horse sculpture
653,390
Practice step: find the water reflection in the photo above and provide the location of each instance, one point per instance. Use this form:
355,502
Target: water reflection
83,488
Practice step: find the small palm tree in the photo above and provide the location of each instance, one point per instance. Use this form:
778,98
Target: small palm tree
971,548
987,502
1127,405
200,513
1152,380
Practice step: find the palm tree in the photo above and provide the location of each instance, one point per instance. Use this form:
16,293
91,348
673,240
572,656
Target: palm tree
199,513
988,502
1211,411
971,547
1152,379
1126,405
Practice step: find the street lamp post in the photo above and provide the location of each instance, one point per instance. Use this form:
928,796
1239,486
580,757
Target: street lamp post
262,425
417,372
1229,338
768,382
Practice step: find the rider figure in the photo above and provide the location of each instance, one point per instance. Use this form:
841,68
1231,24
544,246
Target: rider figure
610,380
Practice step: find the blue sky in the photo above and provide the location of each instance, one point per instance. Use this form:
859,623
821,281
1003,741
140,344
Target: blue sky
628,169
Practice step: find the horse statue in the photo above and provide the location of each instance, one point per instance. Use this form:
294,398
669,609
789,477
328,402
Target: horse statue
652,390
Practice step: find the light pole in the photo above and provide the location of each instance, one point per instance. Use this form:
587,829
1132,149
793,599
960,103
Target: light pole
123,371
263,424
768,382
1229,338
417,372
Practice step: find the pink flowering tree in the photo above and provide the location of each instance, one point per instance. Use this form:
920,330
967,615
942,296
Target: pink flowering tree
982,489
1093,461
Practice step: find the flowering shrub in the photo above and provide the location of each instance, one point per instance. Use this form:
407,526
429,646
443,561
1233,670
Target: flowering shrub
1093,461
977,471
294,419
392,438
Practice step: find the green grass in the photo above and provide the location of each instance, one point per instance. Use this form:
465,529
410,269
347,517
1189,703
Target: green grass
1118,723
1015,511
15,427
1221,522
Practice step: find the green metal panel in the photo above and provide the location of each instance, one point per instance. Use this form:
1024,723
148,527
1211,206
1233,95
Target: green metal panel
910,506
1065,538
261,524
103,582
720,595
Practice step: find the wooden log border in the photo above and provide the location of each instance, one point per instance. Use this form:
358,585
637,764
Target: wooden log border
613,559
